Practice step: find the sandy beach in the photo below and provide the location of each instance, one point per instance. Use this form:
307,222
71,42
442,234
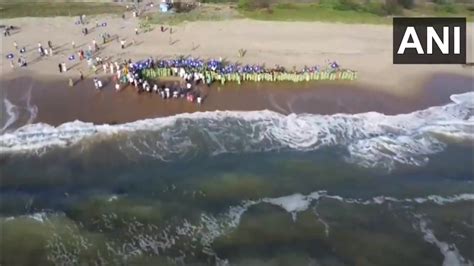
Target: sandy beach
374,171
364,48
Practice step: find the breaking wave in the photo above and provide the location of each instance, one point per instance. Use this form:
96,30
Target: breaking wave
148,239
371,139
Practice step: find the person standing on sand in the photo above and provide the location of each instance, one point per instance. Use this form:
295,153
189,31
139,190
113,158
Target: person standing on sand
15,45
82,75
136,31
50,51
40,49
122,44
64,67
60,68
71,83
94,44
96,83
50,44
73,45
104,66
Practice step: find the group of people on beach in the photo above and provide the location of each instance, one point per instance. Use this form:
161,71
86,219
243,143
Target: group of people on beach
128,74
7,30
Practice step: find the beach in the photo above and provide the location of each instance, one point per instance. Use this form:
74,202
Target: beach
366,49
376,171
50,100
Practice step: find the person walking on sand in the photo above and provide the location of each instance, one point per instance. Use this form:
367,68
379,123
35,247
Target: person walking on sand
94,44
40,49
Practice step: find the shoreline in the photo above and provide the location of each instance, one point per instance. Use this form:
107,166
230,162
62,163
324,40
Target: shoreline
56,103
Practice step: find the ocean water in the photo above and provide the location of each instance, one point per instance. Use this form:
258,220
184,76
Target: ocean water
242,188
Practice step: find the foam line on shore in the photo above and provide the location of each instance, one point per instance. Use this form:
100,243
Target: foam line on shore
12,113
371,139
143,239
451,254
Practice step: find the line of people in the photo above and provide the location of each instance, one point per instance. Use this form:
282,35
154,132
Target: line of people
187,92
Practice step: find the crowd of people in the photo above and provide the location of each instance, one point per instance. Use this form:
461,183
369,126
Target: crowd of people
128,73
193,72
218,70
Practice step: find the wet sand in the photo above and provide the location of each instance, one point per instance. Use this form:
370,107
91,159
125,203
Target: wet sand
57,103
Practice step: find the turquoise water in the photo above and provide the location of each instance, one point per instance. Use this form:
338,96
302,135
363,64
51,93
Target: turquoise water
250,188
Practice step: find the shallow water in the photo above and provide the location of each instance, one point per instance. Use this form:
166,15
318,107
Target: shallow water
243,188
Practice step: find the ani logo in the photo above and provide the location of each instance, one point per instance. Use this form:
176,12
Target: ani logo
429,40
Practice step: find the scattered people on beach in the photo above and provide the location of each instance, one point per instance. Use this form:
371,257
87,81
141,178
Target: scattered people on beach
22,61
40,49
82,19
6,32
94,44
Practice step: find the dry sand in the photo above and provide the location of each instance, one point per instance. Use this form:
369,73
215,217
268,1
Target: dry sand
364,48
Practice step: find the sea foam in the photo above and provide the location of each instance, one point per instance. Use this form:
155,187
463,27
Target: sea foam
371,139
